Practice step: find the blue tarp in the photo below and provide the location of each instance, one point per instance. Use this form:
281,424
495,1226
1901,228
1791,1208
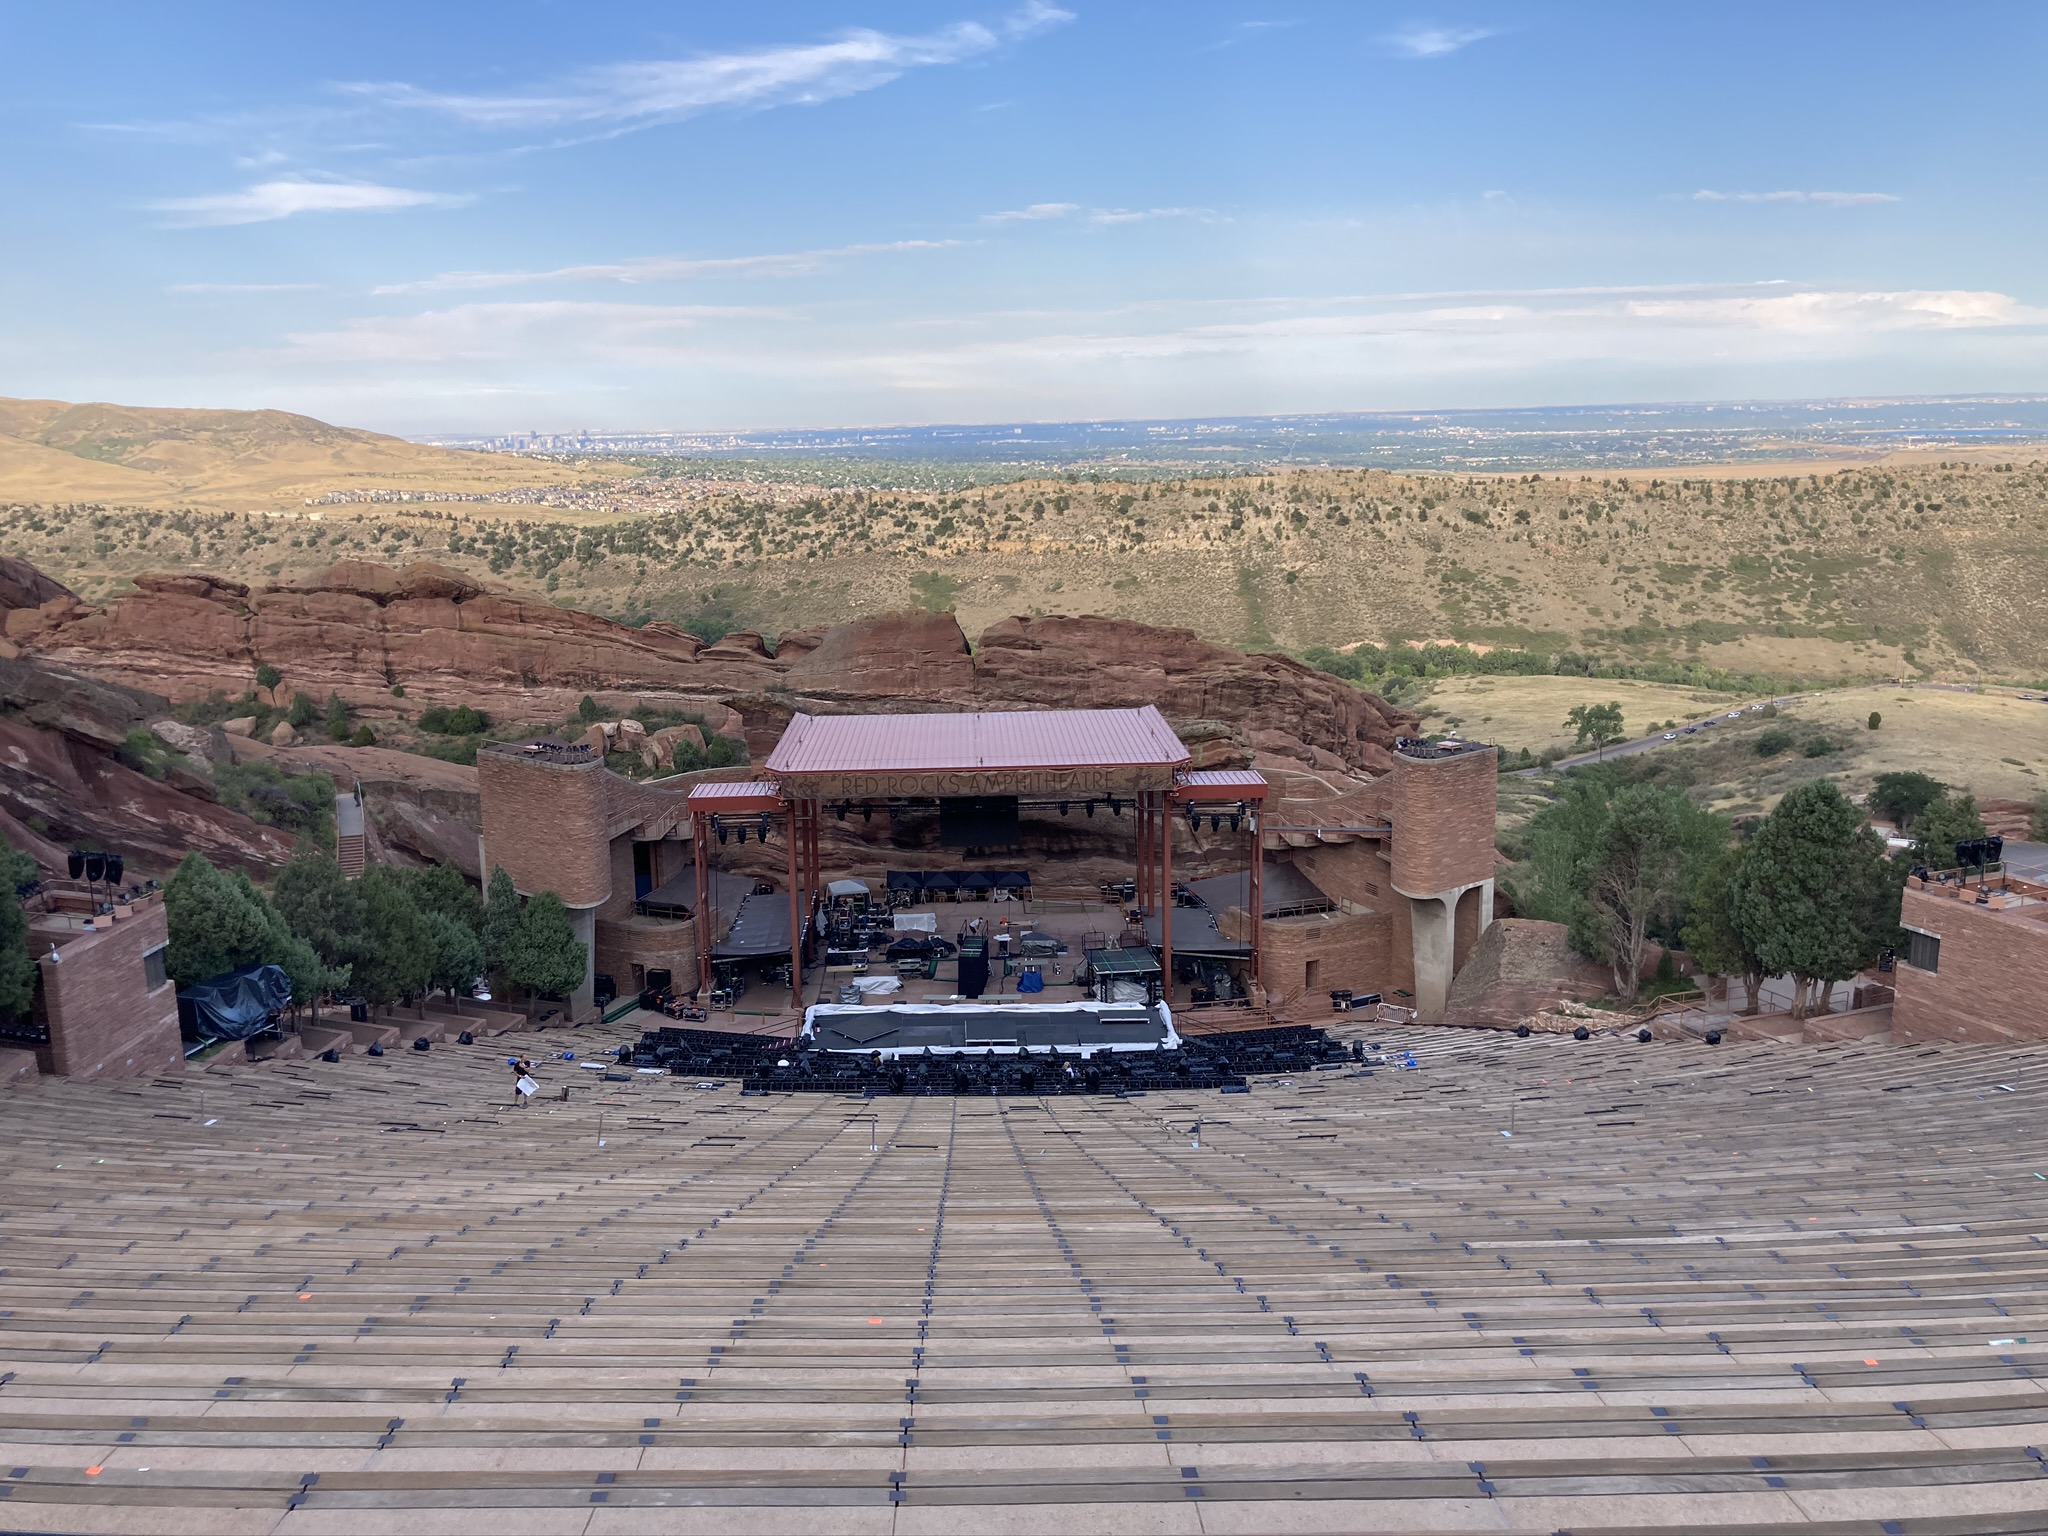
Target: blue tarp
234,1006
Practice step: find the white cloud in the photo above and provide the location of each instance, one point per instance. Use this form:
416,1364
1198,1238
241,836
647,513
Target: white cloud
1035,211
269,200
1840,199
644,92
1042,211
1428,42
663,269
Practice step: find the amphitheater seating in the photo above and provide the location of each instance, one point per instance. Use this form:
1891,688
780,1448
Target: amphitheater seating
1528,1285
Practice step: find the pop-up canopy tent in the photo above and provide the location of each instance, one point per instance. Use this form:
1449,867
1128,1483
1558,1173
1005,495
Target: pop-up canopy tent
235,1005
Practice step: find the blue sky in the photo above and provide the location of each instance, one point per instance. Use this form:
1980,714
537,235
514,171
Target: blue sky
459,216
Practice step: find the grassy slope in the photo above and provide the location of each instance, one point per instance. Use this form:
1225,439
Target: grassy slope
1863,573
52,451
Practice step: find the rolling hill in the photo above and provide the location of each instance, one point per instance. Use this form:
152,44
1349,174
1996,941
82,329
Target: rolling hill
52,451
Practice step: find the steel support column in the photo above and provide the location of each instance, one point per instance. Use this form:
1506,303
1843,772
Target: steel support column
1165,815
793,835
1257,914
700,835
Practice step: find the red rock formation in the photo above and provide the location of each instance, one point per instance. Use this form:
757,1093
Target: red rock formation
1093,663
895,660
23,586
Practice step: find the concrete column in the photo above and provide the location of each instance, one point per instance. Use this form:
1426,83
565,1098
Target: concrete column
1431,920
583,923
1485,905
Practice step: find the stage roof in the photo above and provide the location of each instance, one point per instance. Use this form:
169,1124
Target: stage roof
971,743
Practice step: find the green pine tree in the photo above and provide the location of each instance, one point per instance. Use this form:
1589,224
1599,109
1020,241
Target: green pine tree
1716,944
441,888
458,955
17,965
215,926
396,955
545,956
1943,824
1816,895
501,921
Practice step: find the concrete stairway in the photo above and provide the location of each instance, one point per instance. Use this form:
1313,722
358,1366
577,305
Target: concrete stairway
1755,1288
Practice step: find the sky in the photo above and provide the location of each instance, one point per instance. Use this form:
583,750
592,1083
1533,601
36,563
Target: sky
524,215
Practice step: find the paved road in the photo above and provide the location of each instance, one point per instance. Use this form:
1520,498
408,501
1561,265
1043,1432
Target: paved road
1645,743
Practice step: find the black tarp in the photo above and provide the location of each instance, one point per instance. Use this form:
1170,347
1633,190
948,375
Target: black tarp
1013,879
975,880
234,1006
941,880
906,880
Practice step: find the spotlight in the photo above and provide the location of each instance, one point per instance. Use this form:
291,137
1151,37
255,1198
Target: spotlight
762,830
742,831
1116,806
1215,823
841,810
1713,1037
1521,1031
1582,1033
1236,823
1091,810
1194,820
867,813
721,831
1063,807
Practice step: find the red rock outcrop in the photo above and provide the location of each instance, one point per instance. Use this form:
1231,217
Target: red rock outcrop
895,659
1094,663
23,586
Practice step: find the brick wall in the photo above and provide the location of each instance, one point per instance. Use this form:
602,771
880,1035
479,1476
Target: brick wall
1349,951
1993,979
546,823
650,943
103,1018
1443,811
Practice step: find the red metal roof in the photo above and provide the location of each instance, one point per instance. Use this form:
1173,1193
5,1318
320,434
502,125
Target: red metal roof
1207,784
1042,738
736,796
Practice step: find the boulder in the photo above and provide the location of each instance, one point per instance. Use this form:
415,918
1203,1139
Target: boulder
191,584
192,740
1519,967
660,748
85,709
595,738
283,734
23,586
241,725
631,736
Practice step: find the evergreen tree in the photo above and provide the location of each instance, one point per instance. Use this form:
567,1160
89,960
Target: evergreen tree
338,717
396,955
215,926
1815,895
1712,938
17,965
1943,824
1902,796
441,888
545,956
458,958
501,921
320,905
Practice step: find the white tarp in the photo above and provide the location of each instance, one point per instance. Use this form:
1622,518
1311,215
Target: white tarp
849,888
915,922
876,986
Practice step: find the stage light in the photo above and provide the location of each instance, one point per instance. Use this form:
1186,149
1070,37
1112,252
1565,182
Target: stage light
1194,820
742,831
721,835
841,810
867,813
1091,810
1063,807
1216,823
1116,806
1236,823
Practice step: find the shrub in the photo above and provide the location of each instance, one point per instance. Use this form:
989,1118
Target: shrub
459,721
1875,720
589,711
725,752
338,714
141,751
364,737
261,791
1820,746
304,712
1772,742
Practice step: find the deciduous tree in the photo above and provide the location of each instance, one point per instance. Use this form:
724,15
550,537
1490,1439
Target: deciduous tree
1716,943
545,956
1598,723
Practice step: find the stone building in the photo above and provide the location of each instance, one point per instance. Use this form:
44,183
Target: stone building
1972,970
104,1007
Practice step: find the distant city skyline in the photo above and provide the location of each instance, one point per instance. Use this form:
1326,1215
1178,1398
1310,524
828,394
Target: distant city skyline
640,218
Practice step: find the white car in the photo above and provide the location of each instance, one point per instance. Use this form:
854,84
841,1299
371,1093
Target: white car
1671,735
1734,714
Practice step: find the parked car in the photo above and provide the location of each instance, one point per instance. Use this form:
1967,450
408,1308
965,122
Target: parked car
1692,730
1734,714
1671,735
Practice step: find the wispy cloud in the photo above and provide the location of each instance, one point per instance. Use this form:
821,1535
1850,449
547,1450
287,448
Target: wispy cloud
663,269
638,94
1247,29
1042,211
1839,199
1432,42
243,287
284,199
1035,211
